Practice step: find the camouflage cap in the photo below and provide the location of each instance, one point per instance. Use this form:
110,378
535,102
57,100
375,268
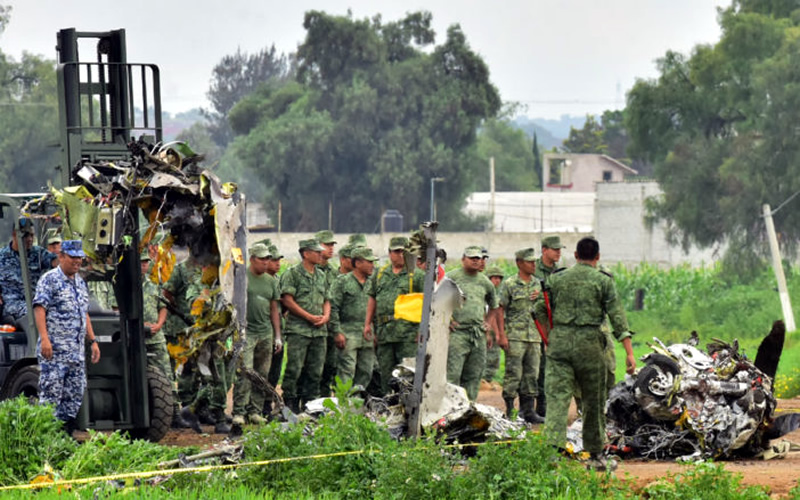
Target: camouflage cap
259,250
311,244
527,254
494,271
398,243
73,248
54,238
364,253
274,253
266,241
325,236
346,251
145,255
473,251
357,240
553,242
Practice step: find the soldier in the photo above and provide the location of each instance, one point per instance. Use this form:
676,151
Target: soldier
54,243
396,338
517,296
11,286
356,355
327,241
303,293
546,265
263,336
345,259
357,240
466,355
495,275
276,365
60,308
581,298
154,315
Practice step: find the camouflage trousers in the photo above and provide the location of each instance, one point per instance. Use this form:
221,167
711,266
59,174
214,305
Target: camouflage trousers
466,357
329,369
305,356
355,363
492,362
576,357
62,383
522,369
256,356
611,367
197,390
158,357
389,355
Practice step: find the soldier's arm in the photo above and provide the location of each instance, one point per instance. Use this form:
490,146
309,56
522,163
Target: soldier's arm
294,308
619,323
275,318
336,300
39,315
371,306
91,338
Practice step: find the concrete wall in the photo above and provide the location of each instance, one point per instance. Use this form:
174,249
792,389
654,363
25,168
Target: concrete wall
535,211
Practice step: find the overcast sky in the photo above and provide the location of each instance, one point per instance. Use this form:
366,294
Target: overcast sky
555,56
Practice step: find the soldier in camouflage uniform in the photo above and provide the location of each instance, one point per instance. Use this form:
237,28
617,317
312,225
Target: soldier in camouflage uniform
396,338
581,298
263,332
495,275
517,296
60,308
304,294
327,241
466,354
546,265
356,355
154,315
345,259
276,365
11,286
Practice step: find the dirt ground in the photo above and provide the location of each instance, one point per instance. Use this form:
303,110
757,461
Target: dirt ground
779,476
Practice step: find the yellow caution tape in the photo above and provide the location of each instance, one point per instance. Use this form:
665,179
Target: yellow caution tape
210,468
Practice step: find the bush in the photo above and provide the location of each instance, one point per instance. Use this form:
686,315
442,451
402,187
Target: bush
30,437
113,453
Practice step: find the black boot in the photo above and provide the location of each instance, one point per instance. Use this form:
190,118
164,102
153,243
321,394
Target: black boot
526,409
178,422
191,418
293,404
221,425
509,407
541,405
70,426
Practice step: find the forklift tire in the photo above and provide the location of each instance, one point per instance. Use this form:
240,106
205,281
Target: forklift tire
159,396
657,377
24,382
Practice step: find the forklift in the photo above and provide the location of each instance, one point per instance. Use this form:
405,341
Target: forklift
102,105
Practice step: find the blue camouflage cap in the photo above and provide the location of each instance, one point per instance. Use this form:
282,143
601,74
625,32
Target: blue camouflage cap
73,248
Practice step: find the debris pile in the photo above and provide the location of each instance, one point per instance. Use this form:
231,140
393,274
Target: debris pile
179,203
689,404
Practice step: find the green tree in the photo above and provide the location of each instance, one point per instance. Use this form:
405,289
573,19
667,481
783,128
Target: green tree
514,160
589,139
537,160
29,120
720,129
377,110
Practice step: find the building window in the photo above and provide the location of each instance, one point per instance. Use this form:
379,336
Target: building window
606,175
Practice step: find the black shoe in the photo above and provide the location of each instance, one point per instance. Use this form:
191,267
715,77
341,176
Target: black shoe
222,427
205,417
178,422
188,416
534,418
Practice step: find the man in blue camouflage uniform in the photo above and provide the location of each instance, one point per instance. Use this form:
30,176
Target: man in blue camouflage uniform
581,297
348,296
304,293
466,353
11,286
60,308
396,338
517,296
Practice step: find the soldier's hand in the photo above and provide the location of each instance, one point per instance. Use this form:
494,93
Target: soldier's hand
503,343
339,341
453,325
630,364
489,341
367,332
47,349
95,352
317,320
534,295
278,344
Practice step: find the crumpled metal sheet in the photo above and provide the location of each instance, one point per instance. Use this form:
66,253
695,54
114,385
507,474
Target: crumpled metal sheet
686,404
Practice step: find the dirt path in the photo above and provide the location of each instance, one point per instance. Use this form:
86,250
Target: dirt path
779,476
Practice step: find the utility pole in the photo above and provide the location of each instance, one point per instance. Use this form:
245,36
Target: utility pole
777,267
491,190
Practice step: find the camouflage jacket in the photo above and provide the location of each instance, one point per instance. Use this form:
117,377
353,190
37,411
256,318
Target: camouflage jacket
515,297
184,277
39,261
310,292
384,286
66,302
150,308
583,296
349,309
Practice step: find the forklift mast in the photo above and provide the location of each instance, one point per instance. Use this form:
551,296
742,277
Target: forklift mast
103,104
